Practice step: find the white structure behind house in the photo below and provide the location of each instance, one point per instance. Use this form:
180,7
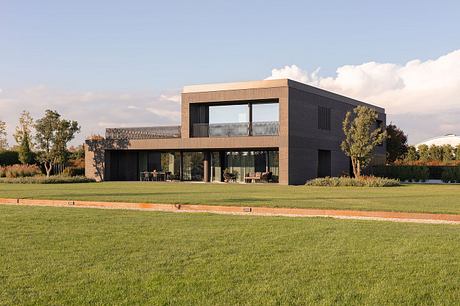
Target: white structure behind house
451,139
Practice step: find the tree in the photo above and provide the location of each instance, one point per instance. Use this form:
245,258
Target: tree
423,152
361,137
26,156
435,153
396,143
457,152
23,136
411,154
3,140
52,136
447,153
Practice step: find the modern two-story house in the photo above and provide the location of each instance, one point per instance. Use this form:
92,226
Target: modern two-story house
282,127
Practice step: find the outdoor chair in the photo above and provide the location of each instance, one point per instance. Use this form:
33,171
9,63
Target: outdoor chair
154,175
145,176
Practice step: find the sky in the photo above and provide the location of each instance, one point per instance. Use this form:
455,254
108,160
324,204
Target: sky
123,63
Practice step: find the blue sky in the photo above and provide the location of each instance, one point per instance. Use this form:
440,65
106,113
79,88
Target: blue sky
156,47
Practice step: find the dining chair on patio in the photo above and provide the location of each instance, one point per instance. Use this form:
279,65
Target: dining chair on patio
155,175
145,176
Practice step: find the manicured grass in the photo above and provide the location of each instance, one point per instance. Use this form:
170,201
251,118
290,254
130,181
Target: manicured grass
89,256
408,198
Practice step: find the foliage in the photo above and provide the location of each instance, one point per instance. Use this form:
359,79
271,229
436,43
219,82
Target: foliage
396,141
76,157
423,152
23,136
3,139
24,127
447,153
362,181
54,179
73,171
432,155
9,158
416,173
435,153
19,170
360,137
52,135
451,175
412,154
403,173
26,156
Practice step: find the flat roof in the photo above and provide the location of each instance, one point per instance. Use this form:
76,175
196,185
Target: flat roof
275,83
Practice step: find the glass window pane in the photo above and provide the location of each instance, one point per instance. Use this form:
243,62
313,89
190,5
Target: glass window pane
265,112
228,113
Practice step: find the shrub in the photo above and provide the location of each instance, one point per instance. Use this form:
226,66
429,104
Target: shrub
55,179
364,181
14,171
451,175
8,158
404,173
73,171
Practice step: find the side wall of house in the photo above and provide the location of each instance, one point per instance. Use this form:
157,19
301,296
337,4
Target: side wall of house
306,138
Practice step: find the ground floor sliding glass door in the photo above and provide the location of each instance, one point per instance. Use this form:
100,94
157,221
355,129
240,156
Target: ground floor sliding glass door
242,164
161,162
127,165
170,163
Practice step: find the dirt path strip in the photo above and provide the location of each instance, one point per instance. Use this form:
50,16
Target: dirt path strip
249,211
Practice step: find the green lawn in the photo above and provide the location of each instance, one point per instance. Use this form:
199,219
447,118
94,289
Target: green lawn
408,198
91,256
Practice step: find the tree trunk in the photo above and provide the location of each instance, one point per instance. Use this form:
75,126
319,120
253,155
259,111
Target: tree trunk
48,167
356,165
358,169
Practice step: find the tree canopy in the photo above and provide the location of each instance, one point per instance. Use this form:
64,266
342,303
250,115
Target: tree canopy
361,137
52,136
396,143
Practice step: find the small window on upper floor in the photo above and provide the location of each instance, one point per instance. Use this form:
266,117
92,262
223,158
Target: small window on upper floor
324,118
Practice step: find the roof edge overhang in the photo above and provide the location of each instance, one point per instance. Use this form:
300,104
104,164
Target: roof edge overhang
274,84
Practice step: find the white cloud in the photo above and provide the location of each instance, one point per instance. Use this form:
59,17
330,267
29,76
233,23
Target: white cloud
93,110
426,89
170,97
163,112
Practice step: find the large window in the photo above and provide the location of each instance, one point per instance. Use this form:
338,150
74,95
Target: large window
265,112
193,166
244,163
248,118
229,114
265,119
228,120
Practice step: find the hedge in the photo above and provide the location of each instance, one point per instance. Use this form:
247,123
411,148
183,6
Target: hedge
413,173
54,179
451,175
364,181
8,158
73,171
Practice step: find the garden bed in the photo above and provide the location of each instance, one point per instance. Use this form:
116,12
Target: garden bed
47,180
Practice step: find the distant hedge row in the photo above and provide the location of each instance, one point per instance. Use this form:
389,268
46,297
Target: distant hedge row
448,174
8,158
